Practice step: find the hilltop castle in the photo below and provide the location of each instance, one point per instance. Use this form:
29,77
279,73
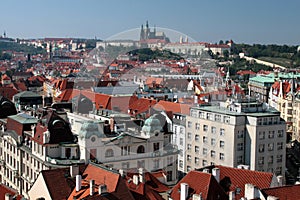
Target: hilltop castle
147,34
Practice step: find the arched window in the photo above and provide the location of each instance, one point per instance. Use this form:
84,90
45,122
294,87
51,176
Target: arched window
141,149
109,153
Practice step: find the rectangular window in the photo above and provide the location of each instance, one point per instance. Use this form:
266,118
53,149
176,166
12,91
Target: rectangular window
197,149
201,114
205,128
270,160
280,133
261,160
240,134
189,135
204,163
270,146
261,148
240,160
265,121
213,141
222,131
169,176
271,134
189,157
205,139
275,120
226,119
261,135
189,124
197,126
204,152
259,121
197,138
222,144
279,158
180,163
279,145
197,160
181,141
213,130
181,130
240,146
189,147
222,156
212,154
156,146
217,118
156,164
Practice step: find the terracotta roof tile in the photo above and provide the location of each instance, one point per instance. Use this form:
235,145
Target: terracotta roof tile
240,177
289,192
4,190
200,182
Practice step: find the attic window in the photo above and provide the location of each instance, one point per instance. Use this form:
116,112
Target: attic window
237,190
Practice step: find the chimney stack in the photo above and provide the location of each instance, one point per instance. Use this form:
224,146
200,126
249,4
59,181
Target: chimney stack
216,173
184,191
102,189
141,175
74,170
92,184
251,191
135,179
280,180
78,183
231,195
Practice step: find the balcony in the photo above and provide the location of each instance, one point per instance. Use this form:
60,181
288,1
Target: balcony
167,150
59,161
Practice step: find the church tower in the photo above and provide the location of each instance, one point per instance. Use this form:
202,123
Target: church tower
142,34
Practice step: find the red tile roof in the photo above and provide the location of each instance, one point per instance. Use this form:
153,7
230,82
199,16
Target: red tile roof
240,177
289,192
149,189
5,77
59,182
200,183
116,186
6,190
8,92
173,107
141,105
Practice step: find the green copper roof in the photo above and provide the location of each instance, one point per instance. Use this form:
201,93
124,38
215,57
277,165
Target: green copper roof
24,118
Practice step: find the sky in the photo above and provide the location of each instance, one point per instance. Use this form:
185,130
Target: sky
243,21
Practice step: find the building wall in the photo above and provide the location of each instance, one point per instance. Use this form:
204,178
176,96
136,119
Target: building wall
39,189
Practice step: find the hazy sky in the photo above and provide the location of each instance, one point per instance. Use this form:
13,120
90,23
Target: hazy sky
251,21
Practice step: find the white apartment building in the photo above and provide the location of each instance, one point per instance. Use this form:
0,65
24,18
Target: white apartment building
179,139
237,132
125,147
29,145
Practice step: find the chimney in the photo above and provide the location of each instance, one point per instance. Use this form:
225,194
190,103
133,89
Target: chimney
8,196
121,172
272,198
74,170
195,99
251,191
92,184
231,195
78,183
184,191
141,175
197,196
135,179
102,189
216,173
280,180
